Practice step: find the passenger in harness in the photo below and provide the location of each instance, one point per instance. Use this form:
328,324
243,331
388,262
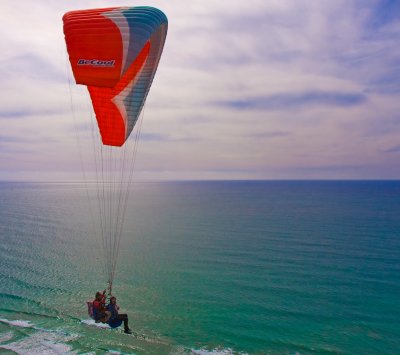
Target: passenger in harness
100,313
116,319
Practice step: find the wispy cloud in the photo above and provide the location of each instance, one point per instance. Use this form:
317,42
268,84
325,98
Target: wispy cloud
29,112
154,137
11,139
33,66
287,101
395,149
269,135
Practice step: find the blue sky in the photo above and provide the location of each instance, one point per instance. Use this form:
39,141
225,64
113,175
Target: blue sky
284,89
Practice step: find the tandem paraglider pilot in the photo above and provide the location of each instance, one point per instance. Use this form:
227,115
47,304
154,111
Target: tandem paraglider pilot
100,312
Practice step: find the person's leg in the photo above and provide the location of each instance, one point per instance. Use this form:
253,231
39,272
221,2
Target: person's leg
124,318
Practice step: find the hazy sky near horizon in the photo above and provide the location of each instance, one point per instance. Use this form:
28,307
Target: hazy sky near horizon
278,89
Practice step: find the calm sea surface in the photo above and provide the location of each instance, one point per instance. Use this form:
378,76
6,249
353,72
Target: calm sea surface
206,267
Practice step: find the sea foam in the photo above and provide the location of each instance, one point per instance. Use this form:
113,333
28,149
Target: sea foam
18,323
41,341
38,343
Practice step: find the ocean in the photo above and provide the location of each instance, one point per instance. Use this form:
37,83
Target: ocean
206,267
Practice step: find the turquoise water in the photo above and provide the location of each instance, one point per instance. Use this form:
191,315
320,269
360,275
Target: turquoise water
207,267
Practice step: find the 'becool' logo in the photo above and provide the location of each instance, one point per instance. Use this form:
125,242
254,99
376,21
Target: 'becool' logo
97,62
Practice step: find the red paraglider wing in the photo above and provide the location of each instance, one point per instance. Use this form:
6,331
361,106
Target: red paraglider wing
115,52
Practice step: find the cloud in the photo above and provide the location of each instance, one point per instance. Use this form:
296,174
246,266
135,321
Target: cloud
154,137
27,113
289,101
11,139
269,135
395,149
31,65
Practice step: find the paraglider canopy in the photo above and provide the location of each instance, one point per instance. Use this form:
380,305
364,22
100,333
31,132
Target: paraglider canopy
115,52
